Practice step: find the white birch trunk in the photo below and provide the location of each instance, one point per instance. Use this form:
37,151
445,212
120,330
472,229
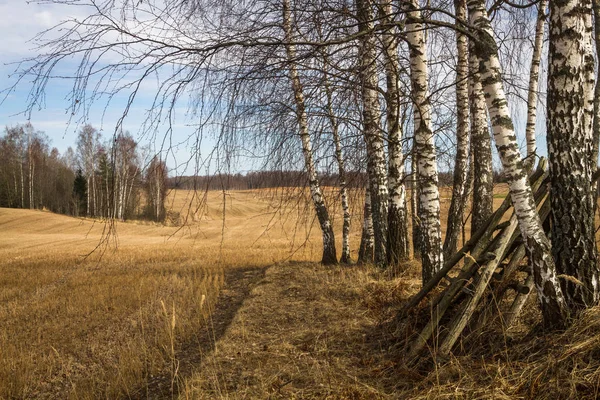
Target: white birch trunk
532,95
483,179
31,183
596,138
398,246
22,186
339,156
94,196
89,189
554,310
461,164
30,170
367,242
329,252
158,201
429,198
570,145
371,130
414,205
121,184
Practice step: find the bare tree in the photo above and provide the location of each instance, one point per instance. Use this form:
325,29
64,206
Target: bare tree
429,197
596,126
125,166
329,252
398,244
88,143
461,164
378,179
156,189
365,251
570,145
550,295
483,182
534,72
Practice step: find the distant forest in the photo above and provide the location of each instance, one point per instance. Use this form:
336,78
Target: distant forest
102,179
260,180
116,178
276,179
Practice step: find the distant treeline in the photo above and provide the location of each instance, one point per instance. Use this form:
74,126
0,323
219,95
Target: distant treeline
276,179
115,178
260,180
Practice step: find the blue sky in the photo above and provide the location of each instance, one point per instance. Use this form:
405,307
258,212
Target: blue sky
21,21
19,24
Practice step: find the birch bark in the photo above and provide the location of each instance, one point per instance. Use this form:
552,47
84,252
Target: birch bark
570,145
371,130
414,205
365,251
398,246
329,252
596,140
429,199
550,295
483,182
534,73
339,156
461,164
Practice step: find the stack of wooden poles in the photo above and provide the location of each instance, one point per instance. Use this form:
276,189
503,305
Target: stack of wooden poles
493,265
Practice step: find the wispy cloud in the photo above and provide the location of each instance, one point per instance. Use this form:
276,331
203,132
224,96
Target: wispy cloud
21,21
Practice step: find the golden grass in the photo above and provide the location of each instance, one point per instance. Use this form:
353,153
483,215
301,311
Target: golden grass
303,334
225,301
105,325
315,332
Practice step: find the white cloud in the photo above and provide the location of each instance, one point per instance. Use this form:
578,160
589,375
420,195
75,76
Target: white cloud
45,19
21,21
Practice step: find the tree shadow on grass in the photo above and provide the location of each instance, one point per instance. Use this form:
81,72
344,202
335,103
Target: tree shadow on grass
239,282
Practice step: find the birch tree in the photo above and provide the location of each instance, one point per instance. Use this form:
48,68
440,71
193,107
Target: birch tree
398,245
570,145
366,249
88,143
483,182
596,126
417,237
461,164
339,156
532,93
378,182
429,198
125,164
550,295
156,189
329,252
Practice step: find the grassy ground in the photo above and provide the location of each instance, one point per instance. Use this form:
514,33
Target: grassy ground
233,305
87,313
311,332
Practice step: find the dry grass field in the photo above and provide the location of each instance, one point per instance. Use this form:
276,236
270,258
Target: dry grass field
89,310
142,310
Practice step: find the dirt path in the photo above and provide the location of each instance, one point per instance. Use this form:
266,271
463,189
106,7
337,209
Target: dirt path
303,332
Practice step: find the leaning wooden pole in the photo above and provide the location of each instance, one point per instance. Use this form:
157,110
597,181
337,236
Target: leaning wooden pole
486,249
474,245
459,323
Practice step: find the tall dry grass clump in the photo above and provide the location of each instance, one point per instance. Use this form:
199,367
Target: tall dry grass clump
88,330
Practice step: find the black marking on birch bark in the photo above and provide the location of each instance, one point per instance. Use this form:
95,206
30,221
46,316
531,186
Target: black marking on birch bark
570,95
538,246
